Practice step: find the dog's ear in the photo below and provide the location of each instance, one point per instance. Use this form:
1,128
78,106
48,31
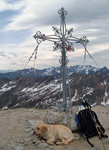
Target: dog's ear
44,128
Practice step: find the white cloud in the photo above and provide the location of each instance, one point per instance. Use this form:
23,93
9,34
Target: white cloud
10,6
44,12
87,18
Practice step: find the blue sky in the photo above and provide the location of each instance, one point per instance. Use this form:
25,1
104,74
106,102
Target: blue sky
20,19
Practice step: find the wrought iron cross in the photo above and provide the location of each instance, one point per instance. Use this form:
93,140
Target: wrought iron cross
63,40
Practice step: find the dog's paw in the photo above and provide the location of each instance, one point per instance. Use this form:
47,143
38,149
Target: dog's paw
50,142
61,143
58,143
35,140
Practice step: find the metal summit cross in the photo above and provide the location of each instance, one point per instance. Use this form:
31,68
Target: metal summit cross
64,41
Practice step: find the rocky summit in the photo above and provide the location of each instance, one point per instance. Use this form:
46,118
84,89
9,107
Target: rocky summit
17,128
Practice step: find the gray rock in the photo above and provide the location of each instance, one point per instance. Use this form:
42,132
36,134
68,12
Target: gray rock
28,130
53,117
38,142
73,124
105,141
31,133
27,141
44,146
7,148
54,108
32,123
19,141
64,121
20,147
65,118
42,141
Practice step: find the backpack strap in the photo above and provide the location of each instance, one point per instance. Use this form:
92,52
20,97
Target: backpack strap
99,127
100,132
89,142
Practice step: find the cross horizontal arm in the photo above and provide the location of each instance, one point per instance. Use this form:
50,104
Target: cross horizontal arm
43,37
54,38
51,37
82,40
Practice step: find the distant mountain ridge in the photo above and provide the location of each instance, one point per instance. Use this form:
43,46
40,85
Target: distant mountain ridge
6,71
54,71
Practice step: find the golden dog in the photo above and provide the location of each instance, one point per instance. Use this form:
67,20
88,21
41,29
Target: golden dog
58,134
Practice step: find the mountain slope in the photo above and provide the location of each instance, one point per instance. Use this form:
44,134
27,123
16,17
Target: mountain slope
45,91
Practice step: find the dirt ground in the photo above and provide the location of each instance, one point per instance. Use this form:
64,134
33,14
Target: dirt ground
15,133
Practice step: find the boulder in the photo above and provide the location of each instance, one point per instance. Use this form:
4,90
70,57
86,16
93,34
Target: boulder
43,146
32,123
63,118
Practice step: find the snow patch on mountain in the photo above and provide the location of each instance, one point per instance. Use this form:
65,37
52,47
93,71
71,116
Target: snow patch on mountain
38,90
105,103
27,89
8,86
74,97
89,90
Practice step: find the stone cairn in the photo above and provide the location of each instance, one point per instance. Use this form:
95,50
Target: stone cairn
54,116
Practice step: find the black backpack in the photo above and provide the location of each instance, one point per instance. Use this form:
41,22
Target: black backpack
88,123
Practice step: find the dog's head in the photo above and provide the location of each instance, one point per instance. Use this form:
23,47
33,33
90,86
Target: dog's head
41,128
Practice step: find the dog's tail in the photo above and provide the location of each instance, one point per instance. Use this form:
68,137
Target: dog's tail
75,136
66,142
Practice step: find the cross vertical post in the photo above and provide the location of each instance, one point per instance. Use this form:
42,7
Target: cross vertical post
62,13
